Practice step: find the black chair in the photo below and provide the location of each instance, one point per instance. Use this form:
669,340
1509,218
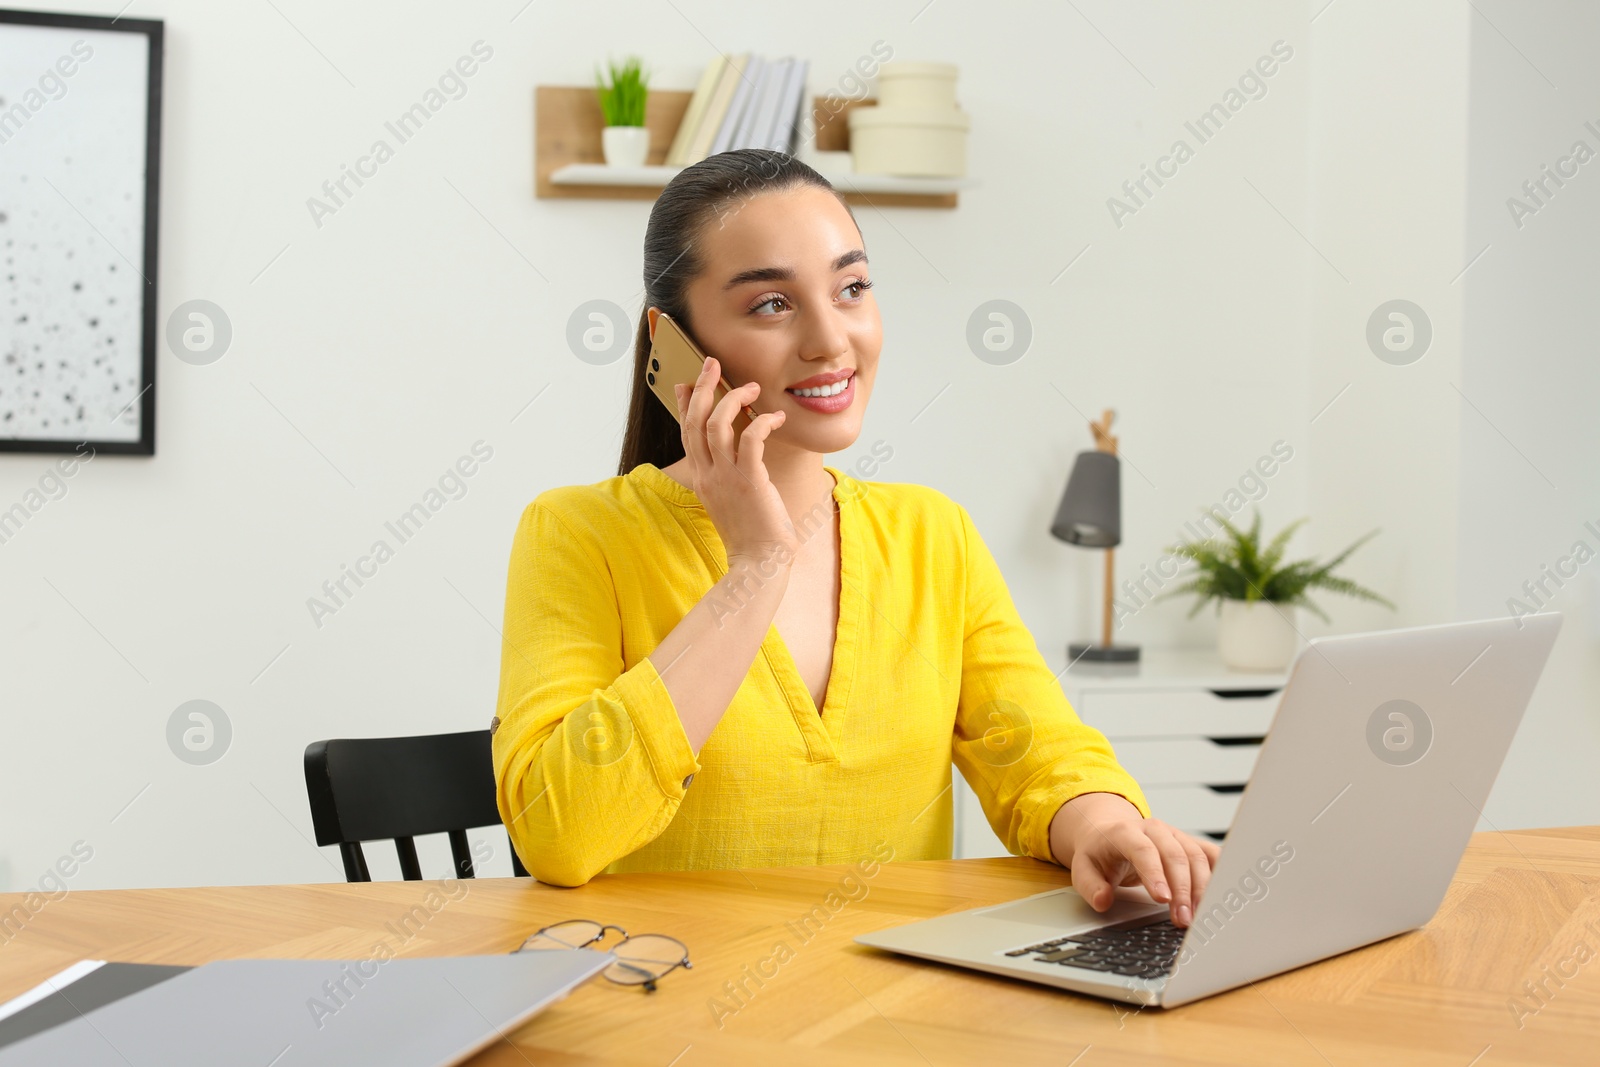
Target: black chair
378,788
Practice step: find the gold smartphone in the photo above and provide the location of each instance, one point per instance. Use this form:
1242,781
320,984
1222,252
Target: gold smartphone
674,358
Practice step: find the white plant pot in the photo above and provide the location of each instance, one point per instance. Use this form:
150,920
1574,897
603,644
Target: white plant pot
1256,636
625,146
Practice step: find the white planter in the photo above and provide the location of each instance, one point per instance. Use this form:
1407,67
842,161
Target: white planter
625,146
1256,636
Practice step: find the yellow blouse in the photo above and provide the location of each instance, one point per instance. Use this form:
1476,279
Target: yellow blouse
931,664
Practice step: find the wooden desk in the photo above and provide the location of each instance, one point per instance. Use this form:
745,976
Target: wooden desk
1520,902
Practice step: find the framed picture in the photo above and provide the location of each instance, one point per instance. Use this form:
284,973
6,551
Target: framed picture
80,152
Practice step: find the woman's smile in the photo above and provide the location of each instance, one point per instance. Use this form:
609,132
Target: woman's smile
825,394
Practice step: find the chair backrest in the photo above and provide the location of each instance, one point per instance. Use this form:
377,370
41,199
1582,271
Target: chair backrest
380,788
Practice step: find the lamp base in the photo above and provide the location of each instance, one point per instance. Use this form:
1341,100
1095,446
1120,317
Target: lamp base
1102,653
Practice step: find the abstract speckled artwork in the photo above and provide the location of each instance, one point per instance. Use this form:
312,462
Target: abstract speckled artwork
76,286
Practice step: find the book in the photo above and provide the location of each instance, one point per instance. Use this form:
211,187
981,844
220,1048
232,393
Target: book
764,117
738,109
717,110
790,109
695,112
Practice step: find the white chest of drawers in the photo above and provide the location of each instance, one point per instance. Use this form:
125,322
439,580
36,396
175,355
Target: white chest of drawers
1182,724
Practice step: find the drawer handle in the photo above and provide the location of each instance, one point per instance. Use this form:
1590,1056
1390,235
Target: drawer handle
1243,694
1239,788
1236,740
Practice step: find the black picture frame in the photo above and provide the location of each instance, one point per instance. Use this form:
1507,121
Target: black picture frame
154,31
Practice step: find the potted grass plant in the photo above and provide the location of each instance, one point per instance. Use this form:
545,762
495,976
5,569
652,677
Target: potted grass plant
625,141
1257,592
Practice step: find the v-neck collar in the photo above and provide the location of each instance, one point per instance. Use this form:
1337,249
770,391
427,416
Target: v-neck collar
822,729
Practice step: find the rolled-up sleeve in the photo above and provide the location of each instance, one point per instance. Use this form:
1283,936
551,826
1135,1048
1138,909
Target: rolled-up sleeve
590,756
1018,742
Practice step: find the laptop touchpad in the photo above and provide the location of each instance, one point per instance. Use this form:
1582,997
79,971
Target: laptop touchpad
1065,909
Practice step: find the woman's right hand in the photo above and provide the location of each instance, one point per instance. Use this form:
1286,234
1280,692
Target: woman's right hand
727,470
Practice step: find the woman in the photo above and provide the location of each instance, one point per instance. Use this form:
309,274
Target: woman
734,655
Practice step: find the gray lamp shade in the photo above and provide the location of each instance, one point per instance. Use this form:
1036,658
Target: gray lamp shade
1091,509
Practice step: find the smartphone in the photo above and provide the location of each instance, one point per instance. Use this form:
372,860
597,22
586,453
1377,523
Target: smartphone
675,358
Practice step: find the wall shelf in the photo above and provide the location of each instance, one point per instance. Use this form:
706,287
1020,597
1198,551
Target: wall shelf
656,177
569,162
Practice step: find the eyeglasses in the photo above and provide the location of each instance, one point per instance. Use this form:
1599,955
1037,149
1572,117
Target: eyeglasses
640,960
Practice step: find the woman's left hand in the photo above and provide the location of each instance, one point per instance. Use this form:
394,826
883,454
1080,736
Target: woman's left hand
1105,842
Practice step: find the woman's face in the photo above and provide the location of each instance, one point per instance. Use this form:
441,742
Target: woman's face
781,302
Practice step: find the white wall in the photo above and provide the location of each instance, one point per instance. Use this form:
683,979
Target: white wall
1388,137
1189,318
373,351
1529,486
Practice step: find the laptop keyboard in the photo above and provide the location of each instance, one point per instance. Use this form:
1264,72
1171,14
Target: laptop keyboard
1138,949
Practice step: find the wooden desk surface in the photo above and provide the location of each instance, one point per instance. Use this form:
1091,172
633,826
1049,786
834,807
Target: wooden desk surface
1523,908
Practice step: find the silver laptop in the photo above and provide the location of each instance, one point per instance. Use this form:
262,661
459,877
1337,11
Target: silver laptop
1372,777
419,1012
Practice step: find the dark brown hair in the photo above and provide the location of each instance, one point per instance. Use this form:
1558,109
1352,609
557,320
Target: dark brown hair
713,187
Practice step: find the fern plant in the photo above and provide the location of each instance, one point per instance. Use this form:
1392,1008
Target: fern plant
622,102
1237,567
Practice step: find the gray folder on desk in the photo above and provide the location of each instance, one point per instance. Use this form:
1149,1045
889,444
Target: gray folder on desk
428,1012
107,983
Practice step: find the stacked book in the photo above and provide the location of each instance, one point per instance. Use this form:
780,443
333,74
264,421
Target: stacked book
742,101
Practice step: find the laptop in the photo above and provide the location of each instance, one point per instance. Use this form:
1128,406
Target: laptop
1366,790
413,1012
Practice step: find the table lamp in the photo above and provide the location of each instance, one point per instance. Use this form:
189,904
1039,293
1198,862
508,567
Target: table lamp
1090,515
